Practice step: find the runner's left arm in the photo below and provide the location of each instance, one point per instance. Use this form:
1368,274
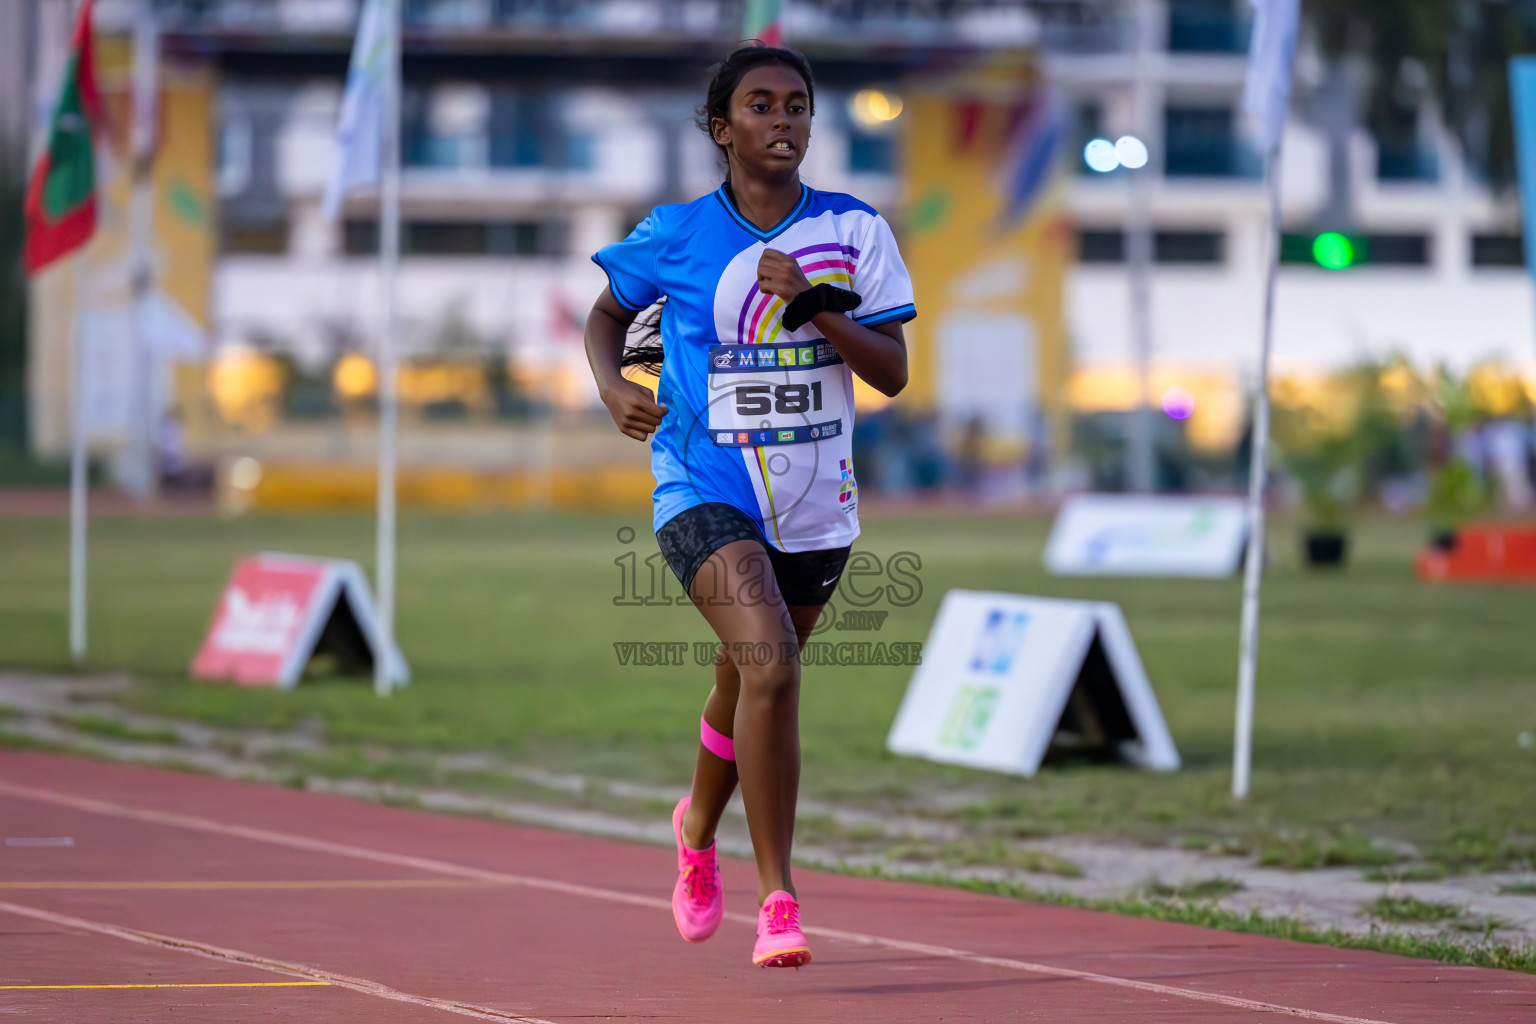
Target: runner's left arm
877,354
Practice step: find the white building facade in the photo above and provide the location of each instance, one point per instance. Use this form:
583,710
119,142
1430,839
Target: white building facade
1440,276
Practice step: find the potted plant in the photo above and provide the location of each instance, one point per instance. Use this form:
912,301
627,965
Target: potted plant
1315,439
1457,492
1329,486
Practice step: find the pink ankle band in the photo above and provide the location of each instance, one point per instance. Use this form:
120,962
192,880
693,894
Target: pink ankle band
716,742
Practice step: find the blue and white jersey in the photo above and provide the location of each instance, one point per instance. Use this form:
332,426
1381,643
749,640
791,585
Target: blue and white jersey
758,417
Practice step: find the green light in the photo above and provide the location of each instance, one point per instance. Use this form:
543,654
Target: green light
1333,251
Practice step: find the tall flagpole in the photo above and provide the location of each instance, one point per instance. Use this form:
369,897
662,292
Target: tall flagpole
77,469
1142,448
389,258
141,469
1258,470
1266,99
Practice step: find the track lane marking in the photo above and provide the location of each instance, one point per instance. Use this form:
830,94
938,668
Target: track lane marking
428,864
314,975
201,984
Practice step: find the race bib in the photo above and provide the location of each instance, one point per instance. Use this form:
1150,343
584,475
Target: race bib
789,393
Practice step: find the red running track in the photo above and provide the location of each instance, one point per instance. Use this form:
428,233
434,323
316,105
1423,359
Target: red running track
182,898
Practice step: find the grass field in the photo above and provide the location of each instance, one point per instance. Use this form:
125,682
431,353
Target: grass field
1387,710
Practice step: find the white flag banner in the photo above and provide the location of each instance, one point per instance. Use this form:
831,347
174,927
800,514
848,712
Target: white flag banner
360,129
1271,55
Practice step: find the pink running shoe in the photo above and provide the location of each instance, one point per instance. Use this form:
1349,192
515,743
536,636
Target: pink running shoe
780,942
698,903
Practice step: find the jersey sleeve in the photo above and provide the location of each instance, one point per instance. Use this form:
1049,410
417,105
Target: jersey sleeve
881,279
631,266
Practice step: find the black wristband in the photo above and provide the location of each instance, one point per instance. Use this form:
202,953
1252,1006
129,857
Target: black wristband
821,298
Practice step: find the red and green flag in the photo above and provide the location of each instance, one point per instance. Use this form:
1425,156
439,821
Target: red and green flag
61,195
764,21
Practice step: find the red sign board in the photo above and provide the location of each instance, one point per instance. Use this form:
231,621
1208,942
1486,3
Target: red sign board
272,613
1484,553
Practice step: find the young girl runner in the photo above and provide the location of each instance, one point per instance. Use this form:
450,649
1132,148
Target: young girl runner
774,295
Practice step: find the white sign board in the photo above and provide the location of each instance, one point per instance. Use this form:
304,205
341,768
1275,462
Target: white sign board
1002,674
987,371
1147,535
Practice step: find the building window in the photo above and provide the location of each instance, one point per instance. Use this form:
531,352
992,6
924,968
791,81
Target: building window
1190,247
1100,246
1107,245
1208,26
871,153
264,238
1397,250
549,238
1402,152
1498,251
1203,142
445,125
236,149
461,14
521,131
1348,251
1087,125
528,129
444,238
360,237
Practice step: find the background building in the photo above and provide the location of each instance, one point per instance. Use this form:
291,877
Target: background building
1440,272
536,131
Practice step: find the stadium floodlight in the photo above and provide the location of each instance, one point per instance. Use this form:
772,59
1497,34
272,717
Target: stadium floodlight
1131,152
1100,156
1334,251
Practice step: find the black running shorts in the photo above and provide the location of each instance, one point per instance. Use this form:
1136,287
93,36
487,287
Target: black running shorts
806,578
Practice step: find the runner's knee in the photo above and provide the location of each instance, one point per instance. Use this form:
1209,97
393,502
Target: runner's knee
773,682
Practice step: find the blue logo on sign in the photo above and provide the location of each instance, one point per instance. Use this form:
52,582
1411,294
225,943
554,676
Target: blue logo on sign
999,641
768,358
745,359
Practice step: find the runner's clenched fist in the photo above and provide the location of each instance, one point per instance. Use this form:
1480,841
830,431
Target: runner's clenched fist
779,273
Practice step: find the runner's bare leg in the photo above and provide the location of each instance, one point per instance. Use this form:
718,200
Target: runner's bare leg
765,725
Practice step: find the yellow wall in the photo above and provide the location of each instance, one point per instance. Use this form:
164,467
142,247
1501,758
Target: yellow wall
963,256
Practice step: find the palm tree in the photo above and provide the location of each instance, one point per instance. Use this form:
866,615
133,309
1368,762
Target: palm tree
1459,50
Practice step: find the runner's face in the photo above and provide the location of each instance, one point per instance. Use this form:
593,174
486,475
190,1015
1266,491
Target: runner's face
769,121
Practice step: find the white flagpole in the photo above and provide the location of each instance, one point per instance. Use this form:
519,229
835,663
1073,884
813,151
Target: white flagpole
389,258
1266,99
1139,245
1258,470
77,470
141,213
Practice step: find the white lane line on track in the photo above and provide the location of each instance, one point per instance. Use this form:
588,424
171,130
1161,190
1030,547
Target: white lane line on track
310,974
429,864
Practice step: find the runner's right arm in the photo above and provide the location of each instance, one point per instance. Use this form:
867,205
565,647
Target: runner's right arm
632,406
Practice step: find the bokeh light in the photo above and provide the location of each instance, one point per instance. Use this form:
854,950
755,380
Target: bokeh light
1333,251
1178,403
874,107
1131,152
245,474
1100,156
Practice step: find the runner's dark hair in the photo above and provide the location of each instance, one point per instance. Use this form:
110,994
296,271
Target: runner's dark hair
727,75
644,348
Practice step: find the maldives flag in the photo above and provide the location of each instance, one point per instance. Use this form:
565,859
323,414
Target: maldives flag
763,21
61,195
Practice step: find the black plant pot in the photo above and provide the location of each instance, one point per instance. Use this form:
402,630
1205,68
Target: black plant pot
1326,548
